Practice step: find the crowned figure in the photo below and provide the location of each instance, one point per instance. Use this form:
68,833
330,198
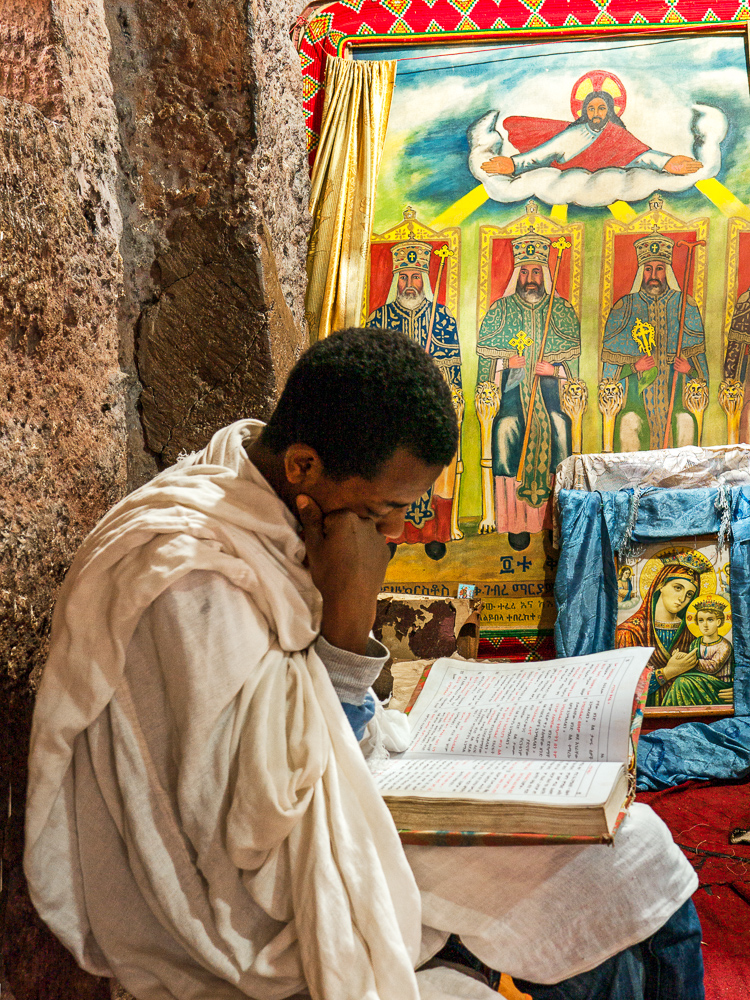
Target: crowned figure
655,303
508,346
411,308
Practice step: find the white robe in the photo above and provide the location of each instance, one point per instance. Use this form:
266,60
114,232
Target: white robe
201,823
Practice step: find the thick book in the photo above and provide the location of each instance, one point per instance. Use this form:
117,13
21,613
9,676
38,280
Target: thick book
519,753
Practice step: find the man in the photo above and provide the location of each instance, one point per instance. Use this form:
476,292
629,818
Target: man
655,299
409,308
201,822
595,140
523,508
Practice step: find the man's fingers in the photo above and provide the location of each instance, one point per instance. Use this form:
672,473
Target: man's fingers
311,517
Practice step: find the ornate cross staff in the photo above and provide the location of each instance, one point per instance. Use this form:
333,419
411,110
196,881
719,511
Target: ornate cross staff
442,253
561,245
521,342
690,248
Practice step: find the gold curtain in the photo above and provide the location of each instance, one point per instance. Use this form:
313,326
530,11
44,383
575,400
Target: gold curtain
355,117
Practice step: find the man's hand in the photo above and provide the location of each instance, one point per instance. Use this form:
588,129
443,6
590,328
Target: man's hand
643,364
682,165
517,361
348,558
501,165
682,366
544,368
727,694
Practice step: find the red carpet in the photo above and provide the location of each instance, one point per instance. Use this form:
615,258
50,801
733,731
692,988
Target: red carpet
700,817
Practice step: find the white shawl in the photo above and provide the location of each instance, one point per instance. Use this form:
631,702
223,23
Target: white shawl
307,790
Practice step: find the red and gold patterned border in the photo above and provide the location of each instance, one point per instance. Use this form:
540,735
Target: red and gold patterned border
325,29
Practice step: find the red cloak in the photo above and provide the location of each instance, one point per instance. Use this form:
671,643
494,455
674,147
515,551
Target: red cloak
613,147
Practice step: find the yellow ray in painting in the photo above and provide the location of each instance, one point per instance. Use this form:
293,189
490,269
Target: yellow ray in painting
723,198
559,213
622,211
461,209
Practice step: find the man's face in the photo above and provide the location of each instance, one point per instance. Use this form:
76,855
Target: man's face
596,112
410,288
386,498
654,281
530,284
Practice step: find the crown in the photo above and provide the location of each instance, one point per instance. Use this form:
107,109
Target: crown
531,248
411,254
691,559
711,605
655,246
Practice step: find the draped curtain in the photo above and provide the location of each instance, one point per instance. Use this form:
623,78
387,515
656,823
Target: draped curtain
355,118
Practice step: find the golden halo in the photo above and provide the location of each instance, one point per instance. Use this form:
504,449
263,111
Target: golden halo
656,562
692,614
598,79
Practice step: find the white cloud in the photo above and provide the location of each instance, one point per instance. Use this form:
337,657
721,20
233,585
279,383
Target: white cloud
602,187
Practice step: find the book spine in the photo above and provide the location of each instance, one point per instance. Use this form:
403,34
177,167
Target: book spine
457,838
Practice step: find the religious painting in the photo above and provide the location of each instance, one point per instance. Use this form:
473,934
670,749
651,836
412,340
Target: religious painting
675,597
627,158
734,398
654,382
412,286
529,346
592,158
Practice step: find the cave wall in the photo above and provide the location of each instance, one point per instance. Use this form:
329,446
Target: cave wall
153,227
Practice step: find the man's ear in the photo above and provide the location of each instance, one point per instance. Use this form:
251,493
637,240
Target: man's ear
302,466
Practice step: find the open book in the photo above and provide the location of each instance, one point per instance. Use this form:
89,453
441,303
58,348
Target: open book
519,753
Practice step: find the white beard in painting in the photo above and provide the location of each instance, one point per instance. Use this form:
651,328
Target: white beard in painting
410,298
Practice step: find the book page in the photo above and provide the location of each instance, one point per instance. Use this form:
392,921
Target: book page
573,709
498,780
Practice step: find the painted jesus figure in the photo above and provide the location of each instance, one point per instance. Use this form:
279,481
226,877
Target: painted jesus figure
595,140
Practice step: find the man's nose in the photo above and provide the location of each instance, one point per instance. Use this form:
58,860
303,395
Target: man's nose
392,524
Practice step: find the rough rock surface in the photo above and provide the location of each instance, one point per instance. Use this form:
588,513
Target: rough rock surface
215,192
62,417
153,222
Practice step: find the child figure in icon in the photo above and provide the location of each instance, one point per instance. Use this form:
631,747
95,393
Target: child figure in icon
712,680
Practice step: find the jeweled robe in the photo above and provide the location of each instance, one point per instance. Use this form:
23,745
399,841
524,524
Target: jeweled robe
428,519
550,435
738,340
620,352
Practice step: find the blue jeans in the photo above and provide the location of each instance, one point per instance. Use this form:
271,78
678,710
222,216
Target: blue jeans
666,966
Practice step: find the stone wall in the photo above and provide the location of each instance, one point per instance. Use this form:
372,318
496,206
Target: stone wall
153,223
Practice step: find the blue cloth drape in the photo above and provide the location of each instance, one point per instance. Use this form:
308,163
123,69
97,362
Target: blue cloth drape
593,526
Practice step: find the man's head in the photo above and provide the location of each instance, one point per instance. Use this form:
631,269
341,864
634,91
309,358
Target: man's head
411,273
365,423
410,288
530,283
654,280
530,266
654,254
597,109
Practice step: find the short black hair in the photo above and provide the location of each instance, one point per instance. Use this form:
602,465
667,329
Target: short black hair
358,396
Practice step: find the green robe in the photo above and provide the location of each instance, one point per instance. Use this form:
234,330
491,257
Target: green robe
550,435
620,352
